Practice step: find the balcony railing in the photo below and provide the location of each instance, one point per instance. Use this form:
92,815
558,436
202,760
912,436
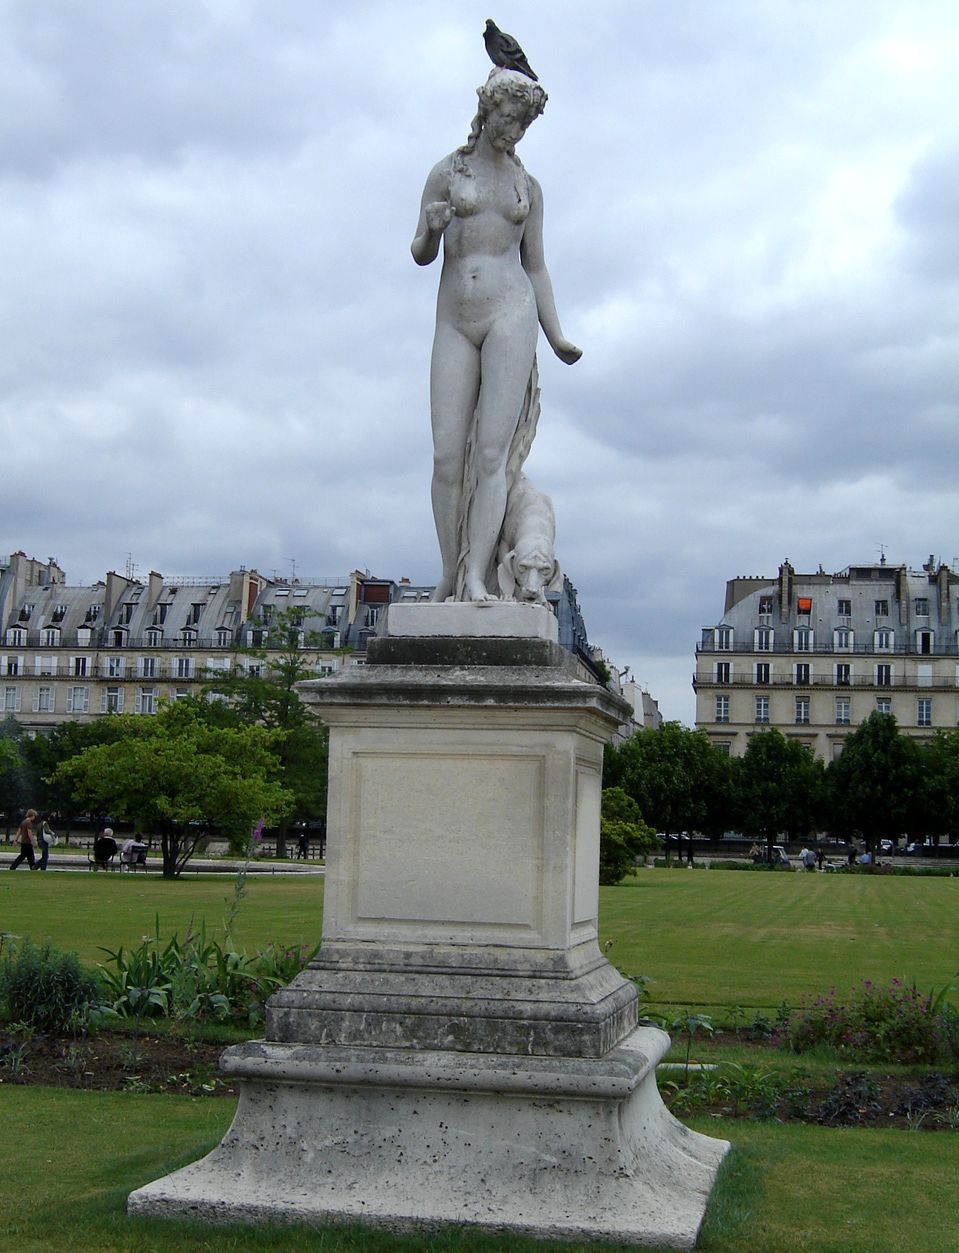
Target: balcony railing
942,648
825,680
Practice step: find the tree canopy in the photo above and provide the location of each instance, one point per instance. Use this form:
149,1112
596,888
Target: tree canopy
875,782
777,788
176,775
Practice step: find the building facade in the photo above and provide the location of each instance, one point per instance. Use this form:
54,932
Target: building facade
815,654
123,644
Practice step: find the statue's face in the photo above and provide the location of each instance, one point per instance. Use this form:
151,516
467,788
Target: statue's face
506,122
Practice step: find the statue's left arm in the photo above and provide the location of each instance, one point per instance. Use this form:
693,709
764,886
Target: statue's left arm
534,263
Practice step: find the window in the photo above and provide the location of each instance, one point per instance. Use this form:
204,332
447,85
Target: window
147,667
764,637
78,700
181,693
842,639
111,700
881,608
922,607
43,700
722,708
883,705
842,711
159,614
722,747
723,674
114,667
146,700
765,604
924,711
11,700
126,613
804,604
883,676
50,637
118,637
195,612
844,608
93,612
802,673
16,636
224,637
188,637
924,642
843,674
803,640
14,665
762,671
762,708
183,667
882,641
153,637
802,710
724,638
80,667
59,613
255,669
923,674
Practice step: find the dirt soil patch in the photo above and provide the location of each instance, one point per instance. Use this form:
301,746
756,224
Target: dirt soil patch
111,1062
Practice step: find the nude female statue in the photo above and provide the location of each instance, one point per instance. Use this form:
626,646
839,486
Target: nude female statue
494,289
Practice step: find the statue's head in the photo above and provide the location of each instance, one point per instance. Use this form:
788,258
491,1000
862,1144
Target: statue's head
508,103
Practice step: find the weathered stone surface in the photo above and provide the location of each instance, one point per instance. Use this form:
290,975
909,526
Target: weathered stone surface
490,619
558,1148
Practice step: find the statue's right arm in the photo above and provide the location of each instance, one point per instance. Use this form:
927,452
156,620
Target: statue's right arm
436,213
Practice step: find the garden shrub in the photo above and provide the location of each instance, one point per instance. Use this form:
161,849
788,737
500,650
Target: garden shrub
880,1024
47,989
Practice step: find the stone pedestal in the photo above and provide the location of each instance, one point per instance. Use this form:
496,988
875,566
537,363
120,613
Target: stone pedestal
460,1050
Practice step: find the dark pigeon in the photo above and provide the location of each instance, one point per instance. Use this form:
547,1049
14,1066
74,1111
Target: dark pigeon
504,51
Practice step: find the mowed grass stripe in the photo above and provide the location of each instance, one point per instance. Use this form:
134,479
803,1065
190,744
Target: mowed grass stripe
706,937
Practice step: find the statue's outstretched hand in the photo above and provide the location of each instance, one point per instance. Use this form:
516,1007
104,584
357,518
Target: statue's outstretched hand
439,214
567,352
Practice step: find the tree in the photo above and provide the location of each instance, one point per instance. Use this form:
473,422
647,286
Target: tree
14,772
623,836
176,775
44,753
266,696
777,787
937,810
874,785
676,776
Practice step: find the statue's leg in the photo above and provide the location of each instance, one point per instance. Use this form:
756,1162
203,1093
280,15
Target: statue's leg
454,386
507,359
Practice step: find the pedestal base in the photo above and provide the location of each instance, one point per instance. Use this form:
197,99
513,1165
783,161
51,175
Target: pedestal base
558,1148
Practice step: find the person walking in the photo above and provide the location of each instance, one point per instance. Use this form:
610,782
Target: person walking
46,838
27,839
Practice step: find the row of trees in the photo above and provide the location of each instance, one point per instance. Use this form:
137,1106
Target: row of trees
884,785
244,748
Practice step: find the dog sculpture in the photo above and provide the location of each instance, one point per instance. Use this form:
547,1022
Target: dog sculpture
527,567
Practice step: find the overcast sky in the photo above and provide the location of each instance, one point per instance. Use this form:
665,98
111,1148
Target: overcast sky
214,344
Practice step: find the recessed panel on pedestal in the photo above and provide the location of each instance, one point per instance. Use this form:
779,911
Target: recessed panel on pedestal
448,841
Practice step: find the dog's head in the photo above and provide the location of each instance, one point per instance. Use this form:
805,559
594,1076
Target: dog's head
529,575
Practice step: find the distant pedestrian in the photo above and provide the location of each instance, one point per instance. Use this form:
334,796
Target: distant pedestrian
26,837
820,858
808,856
303,845
47,836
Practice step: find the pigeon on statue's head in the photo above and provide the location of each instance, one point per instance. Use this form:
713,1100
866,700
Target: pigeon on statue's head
504,51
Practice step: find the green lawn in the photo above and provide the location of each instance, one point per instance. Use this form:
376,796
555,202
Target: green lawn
721,938
74,1156
711,938
80,912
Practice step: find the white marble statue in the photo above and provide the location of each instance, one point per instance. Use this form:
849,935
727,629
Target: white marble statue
494,292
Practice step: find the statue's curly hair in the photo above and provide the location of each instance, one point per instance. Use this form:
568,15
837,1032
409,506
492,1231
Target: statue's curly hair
502,83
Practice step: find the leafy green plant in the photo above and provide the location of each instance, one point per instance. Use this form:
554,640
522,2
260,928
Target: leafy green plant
853,1100
47,988
885,1024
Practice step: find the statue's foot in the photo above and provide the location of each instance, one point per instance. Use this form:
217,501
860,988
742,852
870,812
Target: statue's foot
443,590
476,590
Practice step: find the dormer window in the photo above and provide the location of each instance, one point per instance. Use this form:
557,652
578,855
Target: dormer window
153,637
16,636
50,637
224,637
